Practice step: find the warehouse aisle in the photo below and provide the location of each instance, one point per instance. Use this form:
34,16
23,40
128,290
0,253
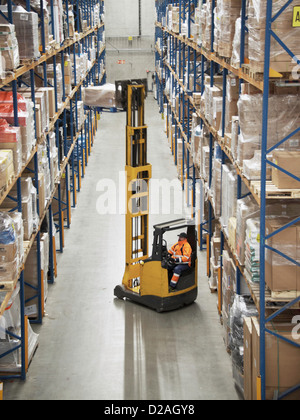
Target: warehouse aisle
95,347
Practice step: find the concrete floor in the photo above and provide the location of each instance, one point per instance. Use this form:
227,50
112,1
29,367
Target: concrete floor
93,346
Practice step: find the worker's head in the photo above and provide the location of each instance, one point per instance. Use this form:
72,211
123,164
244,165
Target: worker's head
182,236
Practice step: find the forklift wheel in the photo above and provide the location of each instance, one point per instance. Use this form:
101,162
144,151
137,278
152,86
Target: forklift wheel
118,292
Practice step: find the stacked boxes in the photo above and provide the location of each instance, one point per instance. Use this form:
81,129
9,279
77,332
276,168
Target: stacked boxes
252,250
31,276
27,31
10,139
6,167
9,47
228,11
281,359
281,61
8,249
26,120
243,307
284,119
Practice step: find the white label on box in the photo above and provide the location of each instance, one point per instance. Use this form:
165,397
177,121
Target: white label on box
23,17
31,310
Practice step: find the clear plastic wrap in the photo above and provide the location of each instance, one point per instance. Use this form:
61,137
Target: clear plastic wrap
10,138
26,123
243,307
246,208
9,47
283,29
252,250
216,185
8,248
283,119
227,14
19,229
27,31
100,96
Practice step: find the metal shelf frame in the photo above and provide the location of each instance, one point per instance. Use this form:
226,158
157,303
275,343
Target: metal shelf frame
185,59
74,157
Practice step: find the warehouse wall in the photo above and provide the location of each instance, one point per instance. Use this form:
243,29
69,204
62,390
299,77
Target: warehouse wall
122,18
130,58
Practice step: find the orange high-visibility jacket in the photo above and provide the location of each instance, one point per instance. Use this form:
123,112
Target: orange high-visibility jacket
183,251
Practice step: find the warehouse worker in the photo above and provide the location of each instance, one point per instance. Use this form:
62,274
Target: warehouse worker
181,252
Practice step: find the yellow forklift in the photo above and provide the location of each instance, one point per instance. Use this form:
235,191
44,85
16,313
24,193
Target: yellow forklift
146,279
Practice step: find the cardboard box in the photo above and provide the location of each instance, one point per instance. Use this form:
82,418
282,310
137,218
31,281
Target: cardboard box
289,161
8,252
282,359
281,274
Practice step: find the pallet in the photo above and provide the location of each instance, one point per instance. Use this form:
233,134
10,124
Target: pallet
284,296
273,300
254,73
272,192
7,286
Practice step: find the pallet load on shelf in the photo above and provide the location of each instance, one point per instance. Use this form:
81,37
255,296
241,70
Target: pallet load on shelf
216,185
228,293
100,96
242,307
31,276
226,14
236,45
10,139
206,24
11,322
25,119
281,61
6,168
281,359
29,206
229,194
9,249
282,275
289,161
247,208
27,31
215,260
41,108
212,101
58,22
231,108
252,250
9,48
284,119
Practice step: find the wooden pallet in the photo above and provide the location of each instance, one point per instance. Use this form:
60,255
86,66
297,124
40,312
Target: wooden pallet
254,73
284,296
272,192
7,286
272,299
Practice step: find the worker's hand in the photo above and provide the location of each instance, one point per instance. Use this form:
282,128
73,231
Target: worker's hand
177,260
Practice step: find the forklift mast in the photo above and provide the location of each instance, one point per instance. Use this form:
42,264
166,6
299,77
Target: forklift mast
138,175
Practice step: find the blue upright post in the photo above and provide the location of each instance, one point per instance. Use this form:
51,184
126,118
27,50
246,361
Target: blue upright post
269,7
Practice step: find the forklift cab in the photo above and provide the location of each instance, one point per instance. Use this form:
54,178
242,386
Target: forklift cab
151,286
161,248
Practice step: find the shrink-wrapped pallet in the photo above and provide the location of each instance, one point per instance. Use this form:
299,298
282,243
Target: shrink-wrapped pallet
100,96
281,61
27,31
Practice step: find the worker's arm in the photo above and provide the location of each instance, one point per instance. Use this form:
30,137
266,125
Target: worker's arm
172,250
187,252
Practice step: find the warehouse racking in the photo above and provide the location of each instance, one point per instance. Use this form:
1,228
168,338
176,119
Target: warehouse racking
182,64
72,128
